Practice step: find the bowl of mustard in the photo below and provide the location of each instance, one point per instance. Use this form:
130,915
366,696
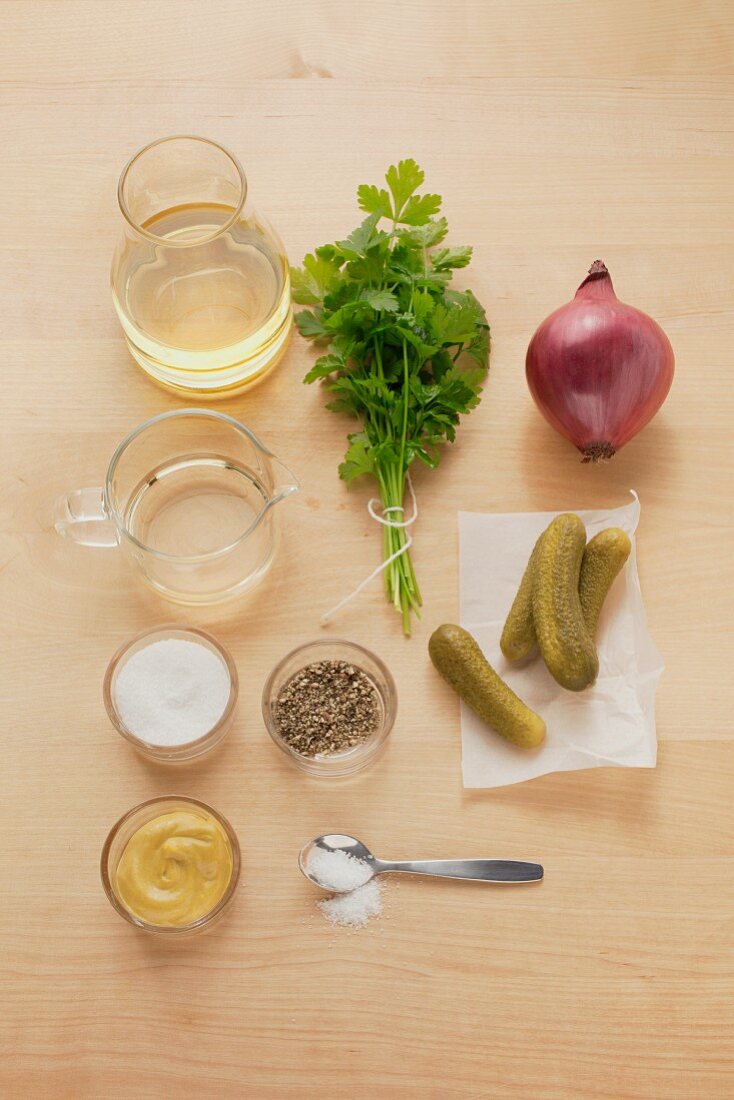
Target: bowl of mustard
171,866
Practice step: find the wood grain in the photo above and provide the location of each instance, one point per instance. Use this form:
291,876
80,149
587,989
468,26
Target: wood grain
557,132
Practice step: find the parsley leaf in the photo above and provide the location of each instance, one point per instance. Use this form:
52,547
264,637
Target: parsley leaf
315,279
362,239
403,181
444,258
433,232
311,325
419,209
324,366
382,299
374,200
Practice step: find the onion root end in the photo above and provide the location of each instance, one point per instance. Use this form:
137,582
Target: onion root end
597,452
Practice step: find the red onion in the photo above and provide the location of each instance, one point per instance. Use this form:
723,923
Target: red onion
598,369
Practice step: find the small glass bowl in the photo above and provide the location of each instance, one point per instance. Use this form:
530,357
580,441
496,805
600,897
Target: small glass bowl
351,760
116,842
190,750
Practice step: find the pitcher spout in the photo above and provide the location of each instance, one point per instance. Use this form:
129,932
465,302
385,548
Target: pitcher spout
285,482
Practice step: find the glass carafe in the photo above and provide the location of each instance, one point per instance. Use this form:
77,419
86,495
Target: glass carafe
199,280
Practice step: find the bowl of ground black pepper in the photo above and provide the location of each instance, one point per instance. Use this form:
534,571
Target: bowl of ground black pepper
329,706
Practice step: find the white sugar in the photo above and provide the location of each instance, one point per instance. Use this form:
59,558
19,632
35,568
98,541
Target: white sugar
337,870
355,908
172,692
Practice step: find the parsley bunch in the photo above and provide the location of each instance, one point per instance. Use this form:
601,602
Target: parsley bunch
406,355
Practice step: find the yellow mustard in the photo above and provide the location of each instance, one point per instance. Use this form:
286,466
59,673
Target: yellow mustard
175,868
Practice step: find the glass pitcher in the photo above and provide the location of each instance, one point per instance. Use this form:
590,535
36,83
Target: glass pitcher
200,282
189,498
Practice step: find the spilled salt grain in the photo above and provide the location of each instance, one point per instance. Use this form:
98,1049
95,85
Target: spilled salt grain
337,870
355,908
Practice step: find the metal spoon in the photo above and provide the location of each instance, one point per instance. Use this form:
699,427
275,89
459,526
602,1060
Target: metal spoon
482,870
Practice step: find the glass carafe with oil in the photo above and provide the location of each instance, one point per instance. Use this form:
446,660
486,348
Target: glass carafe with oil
199,280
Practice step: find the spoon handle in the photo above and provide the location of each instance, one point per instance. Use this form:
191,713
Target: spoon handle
482,870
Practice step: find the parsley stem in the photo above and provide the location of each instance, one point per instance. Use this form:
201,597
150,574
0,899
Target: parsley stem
400,582
406,396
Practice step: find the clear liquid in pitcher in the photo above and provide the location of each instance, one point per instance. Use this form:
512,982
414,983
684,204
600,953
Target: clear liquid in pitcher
194,505
208,315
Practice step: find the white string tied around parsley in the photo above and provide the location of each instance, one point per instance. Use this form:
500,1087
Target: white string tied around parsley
372,506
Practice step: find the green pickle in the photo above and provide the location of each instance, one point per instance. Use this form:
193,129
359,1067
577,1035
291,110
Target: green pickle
602,562
518,635
564,639
464,667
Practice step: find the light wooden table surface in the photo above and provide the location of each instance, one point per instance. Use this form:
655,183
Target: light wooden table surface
557,132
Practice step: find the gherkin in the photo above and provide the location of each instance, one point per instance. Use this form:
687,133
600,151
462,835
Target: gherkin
464,667
566,644
603,559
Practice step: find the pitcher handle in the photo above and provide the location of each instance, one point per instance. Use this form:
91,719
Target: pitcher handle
82,517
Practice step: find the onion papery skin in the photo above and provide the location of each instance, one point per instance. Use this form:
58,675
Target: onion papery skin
599,369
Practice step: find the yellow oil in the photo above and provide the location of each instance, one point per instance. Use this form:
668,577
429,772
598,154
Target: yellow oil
205,306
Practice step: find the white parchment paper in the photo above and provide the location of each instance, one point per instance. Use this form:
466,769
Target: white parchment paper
611,724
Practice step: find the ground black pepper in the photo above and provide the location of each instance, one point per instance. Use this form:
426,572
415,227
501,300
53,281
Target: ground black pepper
327,707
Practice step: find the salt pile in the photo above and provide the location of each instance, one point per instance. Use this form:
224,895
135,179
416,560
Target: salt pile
355,908
357,896
336,870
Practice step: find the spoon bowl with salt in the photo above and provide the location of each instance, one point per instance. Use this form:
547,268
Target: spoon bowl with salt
340,863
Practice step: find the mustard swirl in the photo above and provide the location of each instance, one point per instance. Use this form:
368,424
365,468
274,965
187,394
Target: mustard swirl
175,868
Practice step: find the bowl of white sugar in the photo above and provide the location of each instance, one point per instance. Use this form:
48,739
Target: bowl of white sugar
171,692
